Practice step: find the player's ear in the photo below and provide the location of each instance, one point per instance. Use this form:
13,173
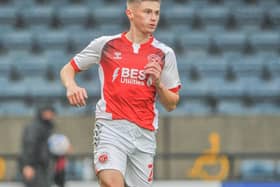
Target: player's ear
129,13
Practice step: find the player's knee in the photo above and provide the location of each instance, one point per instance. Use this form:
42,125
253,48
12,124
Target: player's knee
107,179
110,183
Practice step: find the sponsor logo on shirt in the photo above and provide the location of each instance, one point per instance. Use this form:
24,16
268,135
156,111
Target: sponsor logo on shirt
130,76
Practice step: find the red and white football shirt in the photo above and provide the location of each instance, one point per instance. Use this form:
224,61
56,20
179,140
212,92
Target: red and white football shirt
126,92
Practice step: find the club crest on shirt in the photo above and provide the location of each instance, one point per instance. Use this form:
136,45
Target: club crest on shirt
152,58
103,157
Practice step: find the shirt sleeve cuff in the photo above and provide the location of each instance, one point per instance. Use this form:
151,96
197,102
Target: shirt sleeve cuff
176,89
74,65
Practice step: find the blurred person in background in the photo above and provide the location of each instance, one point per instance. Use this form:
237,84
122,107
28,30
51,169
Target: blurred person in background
134,69
35,156
60,147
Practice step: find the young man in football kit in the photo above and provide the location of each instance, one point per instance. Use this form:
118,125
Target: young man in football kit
134,69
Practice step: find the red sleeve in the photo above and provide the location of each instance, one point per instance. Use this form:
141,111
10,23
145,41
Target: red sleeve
74,65
176,89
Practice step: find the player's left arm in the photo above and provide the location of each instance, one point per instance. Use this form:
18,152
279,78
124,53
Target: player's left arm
166,80
167,98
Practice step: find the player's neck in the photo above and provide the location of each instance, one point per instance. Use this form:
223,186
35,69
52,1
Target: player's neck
137,37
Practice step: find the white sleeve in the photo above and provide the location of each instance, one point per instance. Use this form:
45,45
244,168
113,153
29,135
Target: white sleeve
170,76
91,54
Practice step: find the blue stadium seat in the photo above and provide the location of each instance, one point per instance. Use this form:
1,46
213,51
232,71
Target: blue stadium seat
53,3
209,69
194,88
22,4
231,107
15,108
33,87
274,13
193,107
257,169
57,58
5,64
247,69
236,106
262,89
233,4
166,37
38,17
109,15
30,65
53,40
107,29
4,82
265,41
268,4
177,15
214,17
8,15
194,3
42,88
195,41
249,17
230,41
16,89
73,15
274,67
18,40
266,108
68,110
92,86
277,169
225,89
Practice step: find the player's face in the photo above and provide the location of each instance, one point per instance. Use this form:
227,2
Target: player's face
145,16
48,115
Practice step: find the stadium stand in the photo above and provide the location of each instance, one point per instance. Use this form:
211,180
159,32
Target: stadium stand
227,51
257,170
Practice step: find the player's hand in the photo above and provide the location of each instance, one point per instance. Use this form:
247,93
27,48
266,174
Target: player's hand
153,69
28,172
76,95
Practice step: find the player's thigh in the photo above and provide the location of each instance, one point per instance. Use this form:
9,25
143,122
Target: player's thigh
110,177
107,156
139,171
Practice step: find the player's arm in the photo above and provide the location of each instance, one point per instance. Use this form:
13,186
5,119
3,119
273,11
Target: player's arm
76,95
167,98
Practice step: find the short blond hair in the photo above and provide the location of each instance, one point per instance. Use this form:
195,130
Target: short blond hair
139,1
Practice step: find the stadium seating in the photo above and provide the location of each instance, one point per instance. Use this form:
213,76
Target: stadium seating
38,17
17,41
227,51
257,170
214,17
73,15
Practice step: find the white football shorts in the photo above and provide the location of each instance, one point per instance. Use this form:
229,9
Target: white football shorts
123,146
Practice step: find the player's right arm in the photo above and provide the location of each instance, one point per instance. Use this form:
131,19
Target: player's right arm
89,56
76,95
